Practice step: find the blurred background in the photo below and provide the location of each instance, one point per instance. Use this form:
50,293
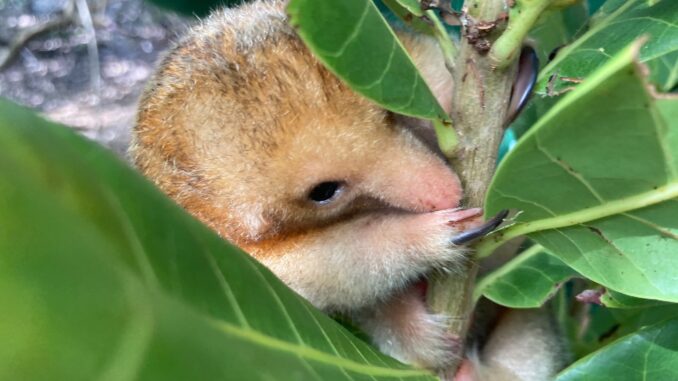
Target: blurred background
84,63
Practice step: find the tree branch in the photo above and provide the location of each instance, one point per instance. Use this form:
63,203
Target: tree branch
480,98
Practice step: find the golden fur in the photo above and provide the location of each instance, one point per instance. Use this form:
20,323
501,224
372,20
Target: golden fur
267,114
241,122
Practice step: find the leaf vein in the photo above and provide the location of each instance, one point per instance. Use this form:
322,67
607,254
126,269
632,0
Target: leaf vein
568,169
581,253
226,288
279,302
661,230
506,195
313,354
354,33
610,242
386,69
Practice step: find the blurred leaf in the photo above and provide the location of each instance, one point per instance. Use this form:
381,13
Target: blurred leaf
593,328
354,41
613,299
594,5
102,277
649,354
632,319
405,15
596,326
597,181
412,6
616,24
526,281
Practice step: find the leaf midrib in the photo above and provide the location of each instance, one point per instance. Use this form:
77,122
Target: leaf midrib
619,206
312,354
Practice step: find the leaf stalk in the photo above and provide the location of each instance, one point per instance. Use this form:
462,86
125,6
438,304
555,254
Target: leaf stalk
522,17
664,193
480,103
447,45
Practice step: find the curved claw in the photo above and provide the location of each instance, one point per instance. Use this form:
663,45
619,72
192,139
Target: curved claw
482,230
528,68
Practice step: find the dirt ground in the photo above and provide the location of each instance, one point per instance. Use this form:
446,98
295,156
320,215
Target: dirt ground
59,73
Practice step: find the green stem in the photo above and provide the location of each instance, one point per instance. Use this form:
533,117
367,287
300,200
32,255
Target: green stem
446,136
479,102
446,43
522,18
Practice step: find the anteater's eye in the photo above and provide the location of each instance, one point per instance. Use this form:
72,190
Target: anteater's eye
325,192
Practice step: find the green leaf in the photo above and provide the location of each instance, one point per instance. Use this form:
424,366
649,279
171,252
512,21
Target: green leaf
409,15
597,180
648,354
613,299
594,5
354,41
614,26
102,277
632,319
535,109
557,28
592,327
664,71
527,281
411,6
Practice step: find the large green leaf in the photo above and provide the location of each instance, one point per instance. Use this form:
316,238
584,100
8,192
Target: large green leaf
354,41
597,180
527,281
102,277
613,27
613,299
648,354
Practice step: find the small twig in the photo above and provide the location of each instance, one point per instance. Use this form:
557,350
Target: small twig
522,17
8,54
447,45
480,98
446,136
448,15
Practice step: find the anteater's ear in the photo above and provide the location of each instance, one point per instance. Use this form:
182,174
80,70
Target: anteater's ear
428,58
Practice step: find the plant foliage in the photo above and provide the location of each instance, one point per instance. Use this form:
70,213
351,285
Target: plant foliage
103,277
